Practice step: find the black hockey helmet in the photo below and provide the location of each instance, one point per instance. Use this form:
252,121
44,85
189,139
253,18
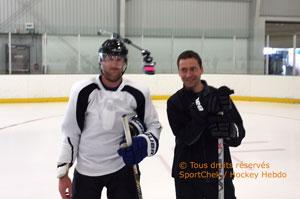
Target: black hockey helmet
113,47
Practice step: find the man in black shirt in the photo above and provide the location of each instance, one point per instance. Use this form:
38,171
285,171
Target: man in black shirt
199,114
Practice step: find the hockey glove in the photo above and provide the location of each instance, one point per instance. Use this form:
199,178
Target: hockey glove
136,126
143,145
224,98
226,130
135,153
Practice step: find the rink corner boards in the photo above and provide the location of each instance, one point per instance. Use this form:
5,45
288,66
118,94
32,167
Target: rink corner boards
154,97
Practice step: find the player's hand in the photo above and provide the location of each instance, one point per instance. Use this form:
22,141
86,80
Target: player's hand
65,187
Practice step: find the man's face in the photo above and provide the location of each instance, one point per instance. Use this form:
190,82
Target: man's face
190,72
112,67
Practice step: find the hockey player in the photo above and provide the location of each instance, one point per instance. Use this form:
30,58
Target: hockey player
92,131
194,117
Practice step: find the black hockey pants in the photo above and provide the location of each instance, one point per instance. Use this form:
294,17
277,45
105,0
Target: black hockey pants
119,185
202,190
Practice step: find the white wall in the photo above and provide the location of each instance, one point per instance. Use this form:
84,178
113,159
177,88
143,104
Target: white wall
47,86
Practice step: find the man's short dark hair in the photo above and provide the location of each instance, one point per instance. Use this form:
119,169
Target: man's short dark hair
189,54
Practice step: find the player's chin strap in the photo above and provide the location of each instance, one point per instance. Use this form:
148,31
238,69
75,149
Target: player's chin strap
124,68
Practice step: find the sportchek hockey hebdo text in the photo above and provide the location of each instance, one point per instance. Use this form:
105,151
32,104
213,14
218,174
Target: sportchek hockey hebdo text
243,170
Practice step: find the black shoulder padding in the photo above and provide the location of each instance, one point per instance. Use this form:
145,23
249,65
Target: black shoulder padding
82,103
140,100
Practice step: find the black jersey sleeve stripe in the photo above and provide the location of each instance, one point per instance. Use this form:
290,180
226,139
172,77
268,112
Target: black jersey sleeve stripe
72,150
82,103
140,100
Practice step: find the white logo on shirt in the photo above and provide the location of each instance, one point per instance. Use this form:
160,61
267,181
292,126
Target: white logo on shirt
198,104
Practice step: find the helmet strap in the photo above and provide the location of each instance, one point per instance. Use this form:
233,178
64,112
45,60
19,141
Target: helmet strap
124,68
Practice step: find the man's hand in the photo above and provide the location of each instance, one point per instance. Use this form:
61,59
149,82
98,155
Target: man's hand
65,187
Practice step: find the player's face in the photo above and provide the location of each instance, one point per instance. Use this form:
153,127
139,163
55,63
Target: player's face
112,67
190,73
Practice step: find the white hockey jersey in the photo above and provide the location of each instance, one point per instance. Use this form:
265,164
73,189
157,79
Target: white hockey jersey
92,128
